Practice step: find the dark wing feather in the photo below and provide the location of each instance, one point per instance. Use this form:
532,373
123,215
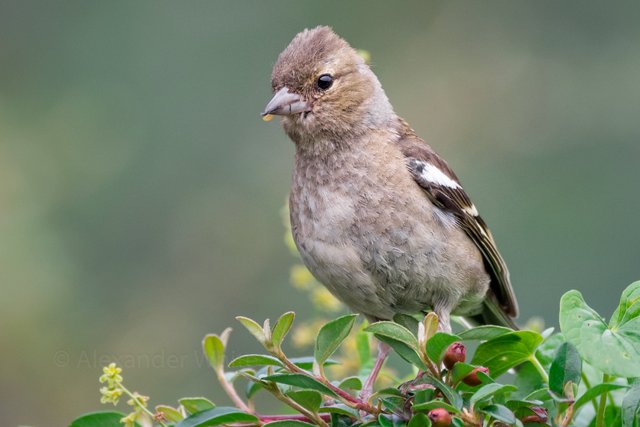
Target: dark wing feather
453,199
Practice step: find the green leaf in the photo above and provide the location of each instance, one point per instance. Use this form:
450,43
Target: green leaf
307,362
394,404
423,395
331,336
541,394
196,404
287,423
255,360
363,348
213,348
254,328
409,322
432,404
300,380
419,420
506,351
546,351
389,391
395,332
403,350
566,366
459,371
281,328
488,391
515,403
384,421
98,419
309,399
594,392
217,416
170,414
500,413
353,383
438,344
483,333
340,409
629,308
450,394
615,349
631,406
457,422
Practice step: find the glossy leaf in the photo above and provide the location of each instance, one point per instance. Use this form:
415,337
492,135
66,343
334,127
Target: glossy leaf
483,333
98,419
566,366
300,380
438,344
432,404
331,336
309,399
419,420
340,409
459,371
307,362
403,350
489,390
213,348
353,383
613,350
363,348
196,404
631,407
281,328
287,423
450,394
506,351
254,360
169,413
500,413
254,328
594,392
409,322
394,331
217,416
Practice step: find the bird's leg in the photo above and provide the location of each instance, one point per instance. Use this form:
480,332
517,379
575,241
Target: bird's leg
444,321
367,389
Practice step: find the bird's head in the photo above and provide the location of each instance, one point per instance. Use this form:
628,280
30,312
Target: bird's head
324,89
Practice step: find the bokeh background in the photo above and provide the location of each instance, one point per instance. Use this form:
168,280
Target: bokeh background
140,192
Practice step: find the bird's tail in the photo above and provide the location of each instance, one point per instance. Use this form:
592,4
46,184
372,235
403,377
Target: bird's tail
493,314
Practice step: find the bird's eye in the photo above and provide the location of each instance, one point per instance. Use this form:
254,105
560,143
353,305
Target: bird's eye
325,81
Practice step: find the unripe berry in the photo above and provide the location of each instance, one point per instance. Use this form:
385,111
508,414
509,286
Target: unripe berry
455,353
472,378
440,417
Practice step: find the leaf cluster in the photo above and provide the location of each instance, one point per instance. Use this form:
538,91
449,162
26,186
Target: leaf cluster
585,375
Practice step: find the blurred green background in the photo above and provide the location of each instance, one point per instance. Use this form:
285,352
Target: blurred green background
140,192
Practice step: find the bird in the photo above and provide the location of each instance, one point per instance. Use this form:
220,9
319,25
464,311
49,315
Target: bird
378,217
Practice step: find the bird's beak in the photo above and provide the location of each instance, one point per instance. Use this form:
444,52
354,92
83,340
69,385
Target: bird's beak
285,103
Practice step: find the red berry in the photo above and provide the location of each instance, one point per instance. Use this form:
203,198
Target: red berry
440,417
472,378
455,353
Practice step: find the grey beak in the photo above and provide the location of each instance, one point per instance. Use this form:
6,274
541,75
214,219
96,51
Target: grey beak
285,103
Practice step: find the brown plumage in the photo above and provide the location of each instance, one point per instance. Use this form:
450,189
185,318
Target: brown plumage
378,217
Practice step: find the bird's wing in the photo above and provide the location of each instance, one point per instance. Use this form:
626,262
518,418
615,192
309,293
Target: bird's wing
443,188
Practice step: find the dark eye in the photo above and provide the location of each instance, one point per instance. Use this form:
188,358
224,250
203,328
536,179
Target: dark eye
325,81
